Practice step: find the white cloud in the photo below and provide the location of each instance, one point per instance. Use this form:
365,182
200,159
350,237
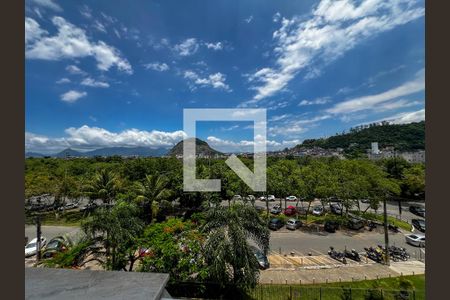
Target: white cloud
289,125
372,101
70,42
317,101
279,118
48,4
403,118
63,80
156,66
94,83
86,11
249,19
216,46
187,47
86,138
247,146
216,81
276,17
33,31
72,69
334,28
72,96
99,26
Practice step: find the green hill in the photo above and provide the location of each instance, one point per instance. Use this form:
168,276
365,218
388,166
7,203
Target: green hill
404,137
202,148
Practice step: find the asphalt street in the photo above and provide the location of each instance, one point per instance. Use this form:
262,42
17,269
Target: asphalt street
318,243
50,232
392,208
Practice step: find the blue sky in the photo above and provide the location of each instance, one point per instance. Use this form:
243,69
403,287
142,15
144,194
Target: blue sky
103,73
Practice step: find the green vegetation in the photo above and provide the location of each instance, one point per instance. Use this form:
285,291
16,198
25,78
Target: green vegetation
404,137
367,289
149,223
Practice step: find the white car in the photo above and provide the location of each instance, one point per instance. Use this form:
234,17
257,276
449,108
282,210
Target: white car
31,247
291,198
417,240
318,210
271,198
262,198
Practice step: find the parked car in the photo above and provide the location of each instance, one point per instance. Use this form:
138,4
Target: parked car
68,206
250,198
291,198
31,247
262,198
417,240
271,198
55,245
417,210
89,207
301,210
335,208
290,211
365,200
419,224
236,197
275,224
260,208
276,210
318,210
355,223
293,224
331,226
263,262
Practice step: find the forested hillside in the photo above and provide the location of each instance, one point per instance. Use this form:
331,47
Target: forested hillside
403,137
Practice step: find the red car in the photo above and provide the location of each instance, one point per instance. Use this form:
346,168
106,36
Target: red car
290,211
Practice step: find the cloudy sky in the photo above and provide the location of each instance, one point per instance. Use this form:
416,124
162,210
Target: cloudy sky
103,73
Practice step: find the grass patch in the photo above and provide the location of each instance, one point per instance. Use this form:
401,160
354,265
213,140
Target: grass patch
68,218
388,287
371,216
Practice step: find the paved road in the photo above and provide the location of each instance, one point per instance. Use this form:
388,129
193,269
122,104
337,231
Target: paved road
318,243
50,232
391,207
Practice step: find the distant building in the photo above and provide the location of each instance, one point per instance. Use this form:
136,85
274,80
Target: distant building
375,149
417,156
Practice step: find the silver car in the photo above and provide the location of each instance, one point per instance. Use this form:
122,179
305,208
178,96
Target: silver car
293,224
417,240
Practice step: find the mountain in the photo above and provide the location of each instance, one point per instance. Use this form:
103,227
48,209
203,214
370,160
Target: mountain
68,153
202,148
126,151
403,137
111,151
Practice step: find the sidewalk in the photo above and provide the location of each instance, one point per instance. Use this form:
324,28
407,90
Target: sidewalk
348,273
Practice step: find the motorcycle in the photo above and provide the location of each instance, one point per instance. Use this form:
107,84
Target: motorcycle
339,256
353,255
393,228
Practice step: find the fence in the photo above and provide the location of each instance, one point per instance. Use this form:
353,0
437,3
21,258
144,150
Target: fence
288,292
291,292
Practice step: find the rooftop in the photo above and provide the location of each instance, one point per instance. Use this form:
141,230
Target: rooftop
49,283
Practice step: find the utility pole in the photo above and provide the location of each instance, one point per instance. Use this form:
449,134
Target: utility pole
38,235
386,233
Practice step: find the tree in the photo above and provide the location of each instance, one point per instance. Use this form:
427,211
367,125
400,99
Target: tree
228,255
117,229
151,192
174,247
105,185
414,180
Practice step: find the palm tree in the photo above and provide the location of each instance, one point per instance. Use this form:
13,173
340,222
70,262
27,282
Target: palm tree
105,186
151,192
227,251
